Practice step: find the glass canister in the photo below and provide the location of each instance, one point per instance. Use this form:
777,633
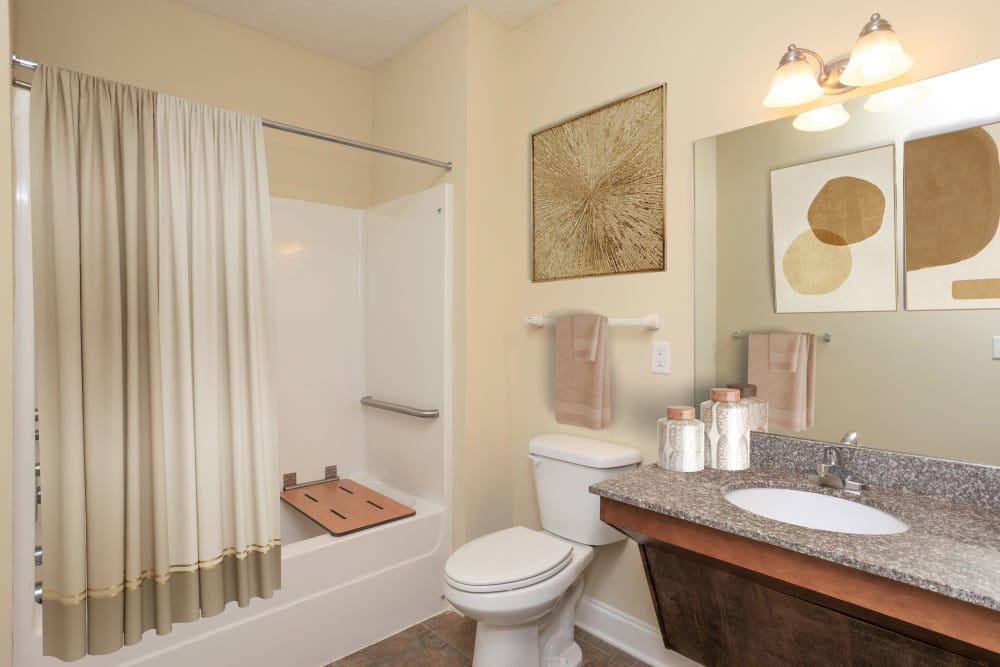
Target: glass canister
728,432
681,439
756,405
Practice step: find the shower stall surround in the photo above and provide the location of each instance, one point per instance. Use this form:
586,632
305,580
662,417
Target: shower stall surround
363,308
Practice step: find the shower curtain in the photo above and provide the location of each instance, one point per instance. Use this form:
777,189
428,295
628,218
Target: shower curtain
154,361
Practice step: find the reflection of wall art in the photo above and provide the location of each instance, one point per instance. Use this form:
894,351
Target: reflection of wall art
951,184
833,224
597,191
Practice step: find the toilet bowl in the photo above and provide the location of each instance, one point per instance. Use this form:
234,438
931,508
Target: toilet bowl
522,585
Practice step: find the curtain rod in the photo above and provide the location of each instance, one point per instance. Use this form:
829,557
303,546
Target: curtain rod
283,127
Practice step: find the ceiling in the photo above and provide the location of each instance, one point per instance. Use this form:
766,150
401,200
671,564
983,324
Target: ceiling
364,33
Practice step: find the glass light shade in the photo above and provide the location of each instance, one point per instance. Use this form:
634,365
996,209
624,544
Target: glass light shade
824,118
794,83
896,98
876,57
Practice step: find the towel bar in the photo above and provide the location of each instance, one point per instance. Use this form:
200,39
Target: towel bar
826,335
401,409
651,322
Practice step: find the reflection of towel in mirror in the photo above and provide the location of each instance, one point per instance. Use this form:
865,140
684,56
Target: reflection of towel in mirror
583,374
783,366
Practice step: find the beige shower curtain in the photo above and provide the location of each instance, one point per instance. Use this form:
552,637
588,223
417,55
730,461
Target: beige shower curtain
154,354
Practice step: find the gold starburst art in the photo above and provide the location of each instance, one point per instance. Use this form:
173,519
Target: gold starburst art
597,191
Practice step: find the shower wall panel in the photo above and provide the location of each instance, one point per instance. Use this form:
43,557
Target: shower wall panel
317,274
407,339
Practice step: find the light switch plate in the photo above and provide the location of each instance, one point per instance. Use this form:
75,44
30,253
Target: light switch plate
996,347
661,357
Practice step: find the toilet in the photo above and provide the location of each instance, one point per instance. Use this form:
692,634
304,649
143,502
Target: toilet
522,585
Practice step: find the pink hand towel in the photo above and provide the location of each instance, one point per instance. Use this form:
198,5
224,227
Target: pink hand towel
783,366
783,352
583,374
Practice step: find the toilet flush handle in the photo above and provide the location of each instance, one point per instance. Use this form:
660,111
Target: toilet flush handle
535,459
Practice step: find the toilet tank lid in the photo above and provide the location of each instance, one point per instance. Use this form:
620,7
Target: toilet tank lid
583,451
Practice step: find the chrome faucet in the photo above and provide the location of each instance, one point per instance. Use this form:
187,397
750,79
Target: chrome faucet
850,438
832,474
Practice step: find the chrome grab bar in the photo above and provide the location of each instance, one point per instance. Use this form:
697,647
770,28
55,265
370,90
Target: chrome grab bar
401,409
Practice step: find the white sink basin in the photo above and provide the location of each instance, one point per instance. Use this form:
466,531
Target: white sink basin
814,510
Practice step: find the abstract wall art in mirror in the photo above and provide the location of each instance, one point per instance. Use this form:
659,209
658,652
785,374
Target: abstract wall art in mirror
833,232
952,189
597,191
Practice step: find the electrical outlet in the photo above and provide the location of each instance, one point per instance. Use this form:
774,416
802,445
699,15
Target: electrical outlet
661,357
996,347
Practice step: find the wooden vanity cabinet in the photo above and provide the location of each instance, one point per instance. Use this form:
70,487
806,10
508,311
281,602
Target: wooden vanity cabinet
723,599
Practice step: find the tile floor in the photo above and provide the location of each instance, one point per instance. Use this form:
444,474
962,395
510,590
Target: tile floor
447,640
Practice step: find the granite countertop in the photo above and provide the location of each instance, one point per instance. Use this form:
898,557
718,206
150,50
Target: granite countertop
951,548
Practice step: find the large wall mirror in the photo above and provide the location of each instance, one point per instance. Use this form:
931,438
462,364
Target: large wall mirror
919,381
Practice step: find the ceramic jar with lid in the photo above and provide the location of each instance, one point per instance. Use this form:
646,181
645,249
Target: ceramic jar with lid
755,404
681,440
727,430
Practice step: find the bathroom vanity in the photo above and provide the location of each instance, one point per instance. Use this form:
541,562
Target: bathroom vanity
731,587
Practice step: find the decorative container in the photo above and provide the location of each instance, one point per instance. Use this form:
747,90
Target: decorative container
681,440
756,405
727,431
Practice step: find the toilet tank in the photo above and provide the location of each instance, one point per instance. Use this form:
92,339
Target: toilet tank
565,467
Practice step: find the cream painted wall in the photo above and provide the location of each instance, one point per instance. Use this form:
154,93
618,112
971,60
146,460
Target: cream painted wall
6,352
451,96
717,57
490,241
174,49
420,107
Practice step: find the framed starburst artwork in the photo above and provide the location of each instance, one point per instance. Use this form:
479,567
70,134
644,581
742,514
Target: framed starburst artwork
597,191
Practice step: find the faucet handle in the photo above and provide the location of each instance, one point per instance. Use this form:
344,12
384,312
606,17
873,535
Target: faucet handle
854,484
831,456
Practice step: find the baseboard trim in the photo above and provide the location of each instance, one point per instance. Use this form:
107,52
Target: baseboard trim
635,637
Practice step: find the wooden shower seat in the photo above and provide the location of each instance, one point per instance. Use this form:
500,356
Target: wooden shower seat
341,506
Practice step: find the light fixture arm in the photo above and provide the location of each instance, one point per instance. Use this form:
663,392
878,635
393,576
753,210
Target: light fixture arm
829,73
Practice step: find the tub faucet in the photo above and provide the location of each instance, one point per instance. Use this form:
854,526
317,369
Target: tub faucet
832,474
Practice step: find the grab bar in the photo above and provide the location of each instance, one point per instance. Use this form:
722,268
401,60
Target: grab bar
401,409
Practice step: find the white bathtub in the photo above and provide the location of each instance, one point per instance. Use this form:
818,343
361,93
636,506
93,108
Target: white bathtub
338,595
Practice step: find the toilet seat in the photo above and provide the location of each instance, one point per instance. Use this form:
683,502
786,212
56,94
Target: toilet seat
507,560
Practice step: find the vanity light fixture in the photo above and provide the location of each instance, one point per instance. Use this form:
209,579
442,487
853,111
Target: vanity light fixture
823,118
877,56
